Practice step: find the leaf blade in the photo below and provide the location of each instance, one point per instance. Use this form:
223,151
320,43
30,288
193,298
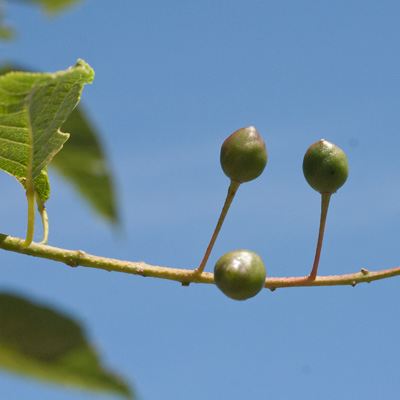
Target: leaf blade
82,162
33,106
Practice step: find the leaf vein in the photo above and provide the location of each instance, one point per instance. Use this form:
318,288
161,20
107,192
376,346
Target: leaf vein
12,161
13,141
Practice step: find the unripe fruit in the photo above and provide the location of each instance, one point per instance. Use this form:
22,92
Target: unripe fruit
244,155
325,167
240,274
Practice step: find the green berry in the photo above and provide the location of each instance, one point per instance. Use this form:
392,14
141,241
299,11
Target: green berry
240,274
325,167
244,155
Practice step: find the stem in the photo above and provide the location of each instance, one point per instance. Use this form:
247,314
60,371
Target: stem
45,219
75,258
233,187
325,197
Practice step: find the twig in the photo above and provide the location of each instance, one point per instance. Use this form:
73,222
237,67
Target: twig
76,258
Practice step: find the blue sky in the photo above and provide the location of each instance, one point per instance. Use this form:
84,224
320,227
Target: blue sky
173,80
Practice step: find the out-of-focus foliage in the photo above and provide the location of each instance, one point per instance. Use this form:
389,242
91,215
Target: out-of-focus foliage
84,164
40,342
51,6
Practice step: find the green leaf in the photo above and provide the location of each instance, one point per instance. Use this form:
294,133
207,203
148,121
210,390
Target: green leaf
83,163
42,343
33,106
6,67
52,6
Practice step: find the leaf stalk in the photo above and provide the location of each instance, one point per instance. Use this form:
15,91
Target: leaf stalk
30,196
45,219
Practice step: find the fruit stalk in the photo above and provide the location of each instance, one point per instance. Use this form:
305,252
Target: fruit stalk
325,198
233,187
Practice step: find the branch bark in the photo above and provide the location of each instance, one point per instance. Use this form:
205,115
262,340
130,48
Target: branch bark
75,258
